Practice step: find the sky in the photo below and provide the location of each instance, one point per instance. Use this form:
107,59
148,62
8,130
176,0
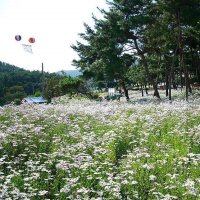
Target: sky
54,24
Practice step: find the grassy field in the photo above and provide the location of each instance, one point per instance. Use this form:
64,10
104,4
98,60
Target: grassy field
81,149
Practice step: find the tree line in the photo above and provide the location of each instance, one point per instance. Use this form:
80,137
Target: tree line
144,42
17,83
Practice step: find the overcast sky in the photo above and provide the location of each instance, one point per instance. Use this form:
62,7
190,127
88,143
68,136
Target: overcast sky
54,24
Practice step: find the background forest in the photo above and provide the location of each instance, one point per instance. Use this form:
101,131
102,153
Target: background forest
17,83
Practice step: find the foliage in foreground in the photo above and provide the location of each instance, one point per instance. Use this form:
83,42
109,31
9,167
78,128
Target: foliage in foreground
100,150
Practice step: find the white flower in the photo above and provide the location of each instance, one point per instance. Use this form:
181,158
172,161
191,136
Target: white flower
148,167
83,190
37,129
134,182
189,183
43,192
169,197
124,182
152,177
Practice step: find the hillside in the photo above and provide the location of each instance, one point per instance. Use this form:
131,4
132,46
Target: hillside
16,83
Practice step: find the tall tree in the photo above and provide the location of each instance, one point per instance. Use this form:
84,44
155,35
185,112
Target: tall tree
104,52
163,33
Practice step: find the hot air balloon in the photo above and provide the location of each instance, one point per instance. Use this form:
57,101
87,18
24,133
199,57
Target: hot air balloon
31,40
18,37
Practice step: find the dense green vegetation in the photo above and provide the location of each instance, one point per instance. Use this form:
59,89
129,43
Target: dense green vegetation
144,42
16,83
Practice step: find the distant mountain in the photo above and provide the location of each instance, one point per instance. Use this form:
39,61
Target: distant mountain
72,73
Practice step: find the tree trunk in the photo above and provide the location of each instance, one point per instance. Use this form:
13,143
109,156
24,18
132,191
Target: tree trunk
151,81
171,72
167,88
170,87
195,62
125,90
142,91
146,89
181,77
174,81
198,67
167,79
156,93
186,84
182,63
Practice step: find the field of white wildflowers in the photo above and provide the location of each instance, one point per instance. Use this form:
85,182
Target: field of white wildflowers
81,149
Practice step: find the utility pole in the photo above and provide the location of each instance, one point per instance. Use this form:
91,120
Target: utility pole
42,80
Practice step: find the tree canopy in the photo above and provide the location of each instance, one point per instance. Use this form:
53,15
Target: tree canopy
158,39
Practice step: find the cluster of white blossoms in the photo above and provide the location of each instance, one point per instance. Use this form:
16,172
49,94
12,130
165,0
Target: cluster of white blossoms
85,149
